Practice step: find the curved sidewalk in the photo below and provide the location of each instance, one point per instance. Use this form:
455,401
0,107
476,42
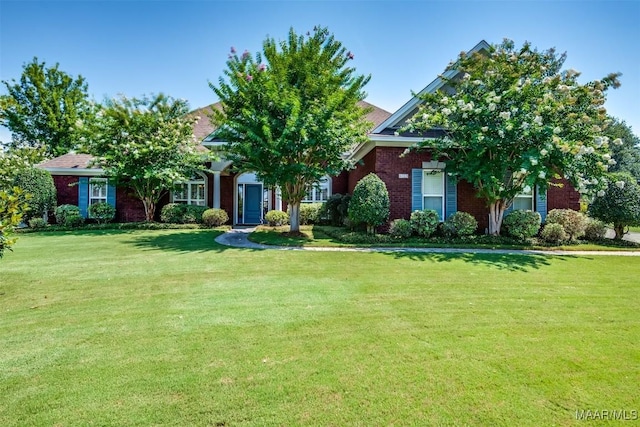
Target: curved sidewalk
239,238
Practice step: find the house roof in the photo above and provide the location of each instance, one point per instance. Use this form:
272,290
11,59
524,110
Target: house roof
69,161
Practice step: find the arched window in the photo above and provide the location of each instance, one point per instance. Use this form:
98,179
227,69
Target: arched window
192,192
320,192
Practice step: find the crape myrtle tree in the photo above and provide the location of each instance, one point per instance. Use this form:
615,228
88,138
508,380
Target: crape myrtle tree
289,113
145,144
42,108
513,120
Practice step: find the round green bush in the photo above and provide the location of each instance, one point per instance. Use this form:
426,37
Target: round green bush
619,203
522,224
424,223
310,213
276,218
573,222
102,212
595,230
400,228
38,183
214,217
460,224
37,223
64,211
173,213
369,204
73,220
553,233
193,214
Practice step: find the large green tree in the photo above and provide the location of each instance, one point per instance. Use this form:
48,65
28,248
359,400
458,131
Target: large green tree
619,203
513,119
13,205
43,108
145,144
290,118
15,160
626,151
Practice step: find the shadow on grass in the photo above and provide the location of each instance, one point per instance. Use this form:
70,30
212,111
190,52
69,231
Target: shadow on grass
511,262
185,241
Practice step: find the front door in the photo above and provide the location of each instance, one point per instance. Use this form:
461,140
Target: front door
252,204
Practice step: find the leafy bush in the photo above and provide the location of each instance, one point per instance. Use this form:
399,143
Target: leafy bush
73,220
618,204
64,211
13,203
37,223
310,213
573,222
522,224
330,210
369,204
102,212
595,230
460,224
38,183
553,233
277,218
400,228
180,213
193,214
214,217
424,223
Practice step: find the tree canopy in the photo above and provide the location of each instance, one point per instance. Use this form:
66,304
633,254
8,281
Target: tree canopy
627,154
43,108
146,144
513,120
289,113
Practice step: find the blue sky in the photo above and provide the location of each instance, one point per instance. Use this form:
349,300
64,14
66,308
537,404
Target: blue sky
178,47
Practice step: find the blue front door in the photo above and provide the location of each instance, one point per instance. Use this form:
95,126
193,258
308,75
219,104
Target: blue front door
252,203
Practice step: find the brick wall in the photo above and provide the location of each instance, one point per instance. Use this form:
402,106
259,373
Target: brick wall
129,208
340,183
564,197
365,166
67,194
468,202
226,195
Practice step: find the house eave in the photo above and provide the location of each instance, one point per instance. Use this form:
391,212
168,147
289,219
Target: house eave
75,171
384,141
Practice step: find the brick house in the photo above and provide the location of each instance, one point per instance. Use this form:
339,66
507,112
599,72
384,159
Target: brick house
414,181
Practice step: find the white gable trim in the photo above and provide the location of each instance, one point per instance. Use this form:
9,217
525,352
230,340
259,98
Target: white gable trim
383,141
432,87
75,171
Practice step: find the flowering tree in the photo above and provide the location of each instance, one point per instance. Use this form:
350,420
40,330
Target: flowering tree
513,120
15,160
291,118
618,203
146,144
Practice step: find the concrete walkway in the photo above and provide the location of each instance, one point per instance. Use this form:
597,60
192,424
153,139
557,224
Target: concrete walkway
238,238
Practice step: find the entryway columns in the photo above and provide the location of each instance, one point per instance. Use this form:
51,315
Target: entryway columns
216,189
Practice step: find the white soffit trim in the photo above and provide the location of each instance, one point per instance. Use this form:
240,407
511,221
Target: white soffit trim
436,84
75,171
384,141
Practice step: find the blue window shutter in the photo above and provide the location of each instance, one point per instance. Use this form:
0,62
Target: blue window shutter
83,195
541,203
111,194
416,190
451,196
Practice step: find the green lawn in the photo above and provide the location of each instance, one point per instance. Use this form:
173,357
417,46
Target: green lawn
168,328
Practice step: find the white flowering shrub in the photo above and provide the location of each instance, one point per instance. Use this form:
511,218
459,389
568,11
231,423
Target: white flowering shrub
513,118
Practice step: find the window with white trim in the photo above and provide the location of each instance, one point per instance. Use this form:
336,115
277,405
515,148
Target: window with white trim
319,193
98,188
524,200
433,190
192,192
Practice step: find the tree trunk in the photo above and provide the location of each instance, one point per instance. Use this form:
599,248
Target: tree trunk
619,229
496,213
149,209
294,217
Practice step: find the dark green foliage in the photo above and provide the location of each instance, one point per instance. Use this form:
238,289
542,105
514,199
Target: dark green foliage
424,223
332,210
290,112
102,212
595,230
625,148
400,228
310,213
276,218
573,222
460,224
214,217
37,223
522,224
44,108
180,213
38,183
619,204
64,211
73,220
369,204
554,233
13,205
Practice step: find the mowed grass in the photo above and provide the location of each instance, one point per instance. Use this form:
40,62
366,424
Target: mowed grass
169,328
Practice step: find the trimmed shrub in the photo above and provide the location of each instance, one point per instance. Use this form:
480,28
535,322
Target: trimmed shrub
38,183
277,218
400,228
424,223
369,204
522,224
618,204
573,222
553,233
460,224
595,230
214,217
102,212
37,223
310,213
64,211
193,214
172,212
73,220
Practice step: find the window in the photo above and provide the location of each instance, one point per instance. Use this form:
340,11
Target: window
319,192
190,192
524,200
97,190
433,190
